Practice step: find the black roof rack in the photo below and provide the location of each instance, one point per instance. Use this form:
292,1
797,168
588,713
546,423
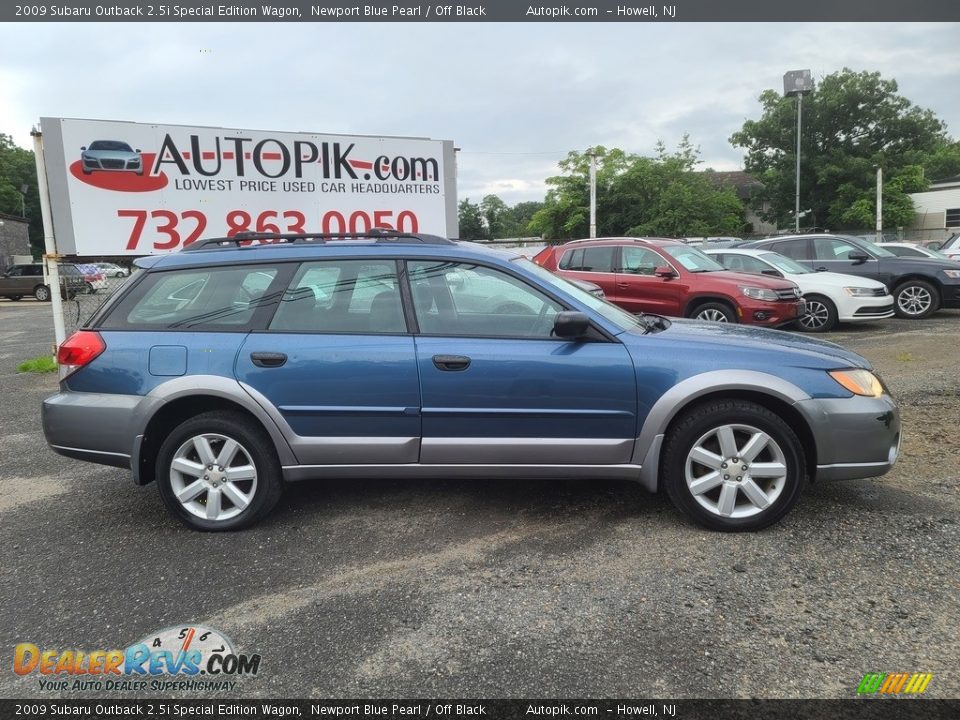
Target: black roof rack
246,239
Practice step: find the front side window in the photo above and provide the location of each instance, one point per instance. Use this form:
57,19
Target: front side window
196,299
641,261
342,296
830,249
455,298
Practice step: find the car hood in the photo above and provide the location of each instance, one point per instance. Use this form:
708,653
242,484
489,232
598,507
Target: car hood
836,280
731,345
922,264
751,279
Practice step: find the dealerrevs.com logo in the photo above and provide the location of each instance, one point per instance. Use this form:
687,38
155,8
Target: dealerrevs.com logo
902,683
183,658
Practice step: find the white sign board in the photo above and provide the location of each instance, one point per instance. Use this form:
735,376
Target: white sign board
120,188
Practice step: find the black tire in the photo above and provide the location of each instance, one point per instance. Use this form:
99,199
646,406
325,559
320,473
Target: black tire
90,289
712,310
695,427
915,299
821,315
254,441
42,293
14,297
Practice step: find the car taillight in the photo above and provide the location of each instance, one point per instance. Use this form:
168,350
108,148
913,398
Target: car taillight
79,349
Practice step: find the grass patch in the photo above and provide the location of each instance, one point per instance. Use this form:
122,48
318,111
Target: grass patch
41,364
907,357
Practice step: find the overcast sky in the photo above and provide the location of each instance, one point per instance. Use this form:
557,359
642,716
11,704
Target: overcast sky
515,97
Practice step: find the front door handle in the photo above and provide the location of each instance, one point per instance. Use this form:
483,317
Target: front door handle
451,362
268,359
623,286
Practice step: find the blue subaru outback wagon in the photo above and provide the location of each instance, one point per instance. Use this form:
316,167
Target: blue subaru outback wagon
226,370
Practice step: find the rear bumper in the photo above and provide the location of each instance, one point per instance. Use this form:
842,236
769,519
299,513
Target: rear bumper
855,437
96,427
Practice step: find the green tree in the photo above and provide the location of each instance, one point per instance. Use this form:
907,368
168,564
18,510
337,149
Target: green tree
495,215
519,217
662,195
472,226
17,169
853,122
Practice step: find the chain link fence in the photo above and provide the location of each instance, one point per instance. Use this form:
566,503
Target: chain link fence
78,308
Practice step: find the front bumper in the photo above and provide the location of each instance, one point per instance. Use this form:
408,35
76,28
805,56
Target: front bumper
855,437
769,314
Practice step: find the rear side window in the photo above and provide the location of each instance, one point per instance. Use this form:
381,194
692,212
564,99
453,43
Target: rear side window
342,296
796,249
594,259
196,299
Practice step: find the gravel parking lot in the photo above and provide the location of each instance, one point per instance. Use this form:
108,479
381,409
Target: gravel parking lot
503,588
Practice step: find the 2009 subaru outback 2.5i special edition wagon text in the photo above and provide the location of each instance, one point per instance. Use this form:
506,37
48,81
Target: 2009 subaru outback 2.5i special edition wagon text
230,368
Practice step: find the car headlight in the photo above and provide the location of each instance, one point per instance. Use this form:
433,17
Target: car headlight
953,274
859,291
859,382
759,293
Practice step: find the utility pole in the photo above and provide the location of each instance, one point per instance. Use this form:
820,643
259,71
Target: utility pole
879,204
796,202
593,194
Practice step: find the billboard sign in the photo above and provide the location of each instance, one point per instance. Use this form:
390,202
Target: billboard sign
121,188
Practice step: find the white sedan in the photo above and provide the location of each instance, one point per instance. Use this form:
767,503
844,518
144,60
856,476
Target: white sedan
830,297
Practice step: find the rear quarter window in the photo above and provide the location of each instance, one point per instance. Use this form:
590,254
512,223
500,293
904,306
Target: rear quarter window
196,299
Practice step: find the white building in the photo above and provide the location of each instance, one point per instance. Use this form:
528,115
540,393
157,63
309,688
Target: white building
938,209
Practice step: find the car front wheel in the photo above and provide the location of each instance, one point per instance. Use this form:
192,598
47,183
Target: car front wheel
219,471
820,315
733,465
714,312
915,299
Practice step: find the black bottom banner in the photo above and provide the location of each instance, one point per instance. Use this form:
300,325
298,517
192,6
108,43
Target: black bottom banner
160,709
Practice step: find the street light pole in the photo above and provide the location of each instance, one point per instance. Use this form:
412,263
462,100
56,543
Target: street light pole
799,83
796,203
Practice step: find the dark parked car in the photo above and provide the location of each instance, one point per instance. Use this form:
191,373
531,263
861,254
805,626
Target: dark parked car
919,286
19,281
223,372
668,277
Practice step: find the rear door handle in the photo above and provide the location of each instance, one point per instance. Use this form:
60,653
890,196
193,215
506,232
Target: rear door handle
623,286
268,359
451,362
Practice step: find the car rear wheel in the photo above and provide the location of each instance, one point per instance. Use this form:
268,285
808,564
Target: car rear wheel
714,312
915,299
41,293
733,465
14,297
821,315
219,471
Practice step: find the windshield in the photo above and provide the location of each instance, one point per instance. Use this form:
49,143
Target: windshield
785,264
110,145
620,318
870,246
692,259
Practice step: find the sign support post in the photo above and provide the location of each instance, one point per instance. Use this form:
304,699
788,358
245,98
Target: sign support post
50,256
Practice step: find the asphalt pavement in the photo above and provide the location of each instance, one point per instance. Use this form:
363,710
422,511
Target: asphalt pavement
500,588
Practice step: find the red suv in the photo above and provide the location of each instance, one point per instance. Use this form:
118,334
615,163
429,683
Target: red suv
670,278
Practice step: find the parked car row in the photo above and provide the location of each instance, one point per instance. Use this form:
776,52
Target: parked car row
19,281
812,281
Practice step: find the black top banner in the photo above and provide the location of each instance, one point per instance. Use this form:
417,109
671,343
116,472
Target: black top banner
486,11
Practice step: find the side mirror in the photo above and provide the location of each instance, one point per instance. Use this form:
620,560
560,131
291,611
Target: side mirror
83,147
664,271
771,271
138,150
858,257
571,325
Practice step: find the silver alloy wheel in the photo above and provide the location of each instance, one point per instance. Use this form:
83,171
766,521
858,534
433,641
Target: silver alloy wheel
712,314
816,316
914,300
736,471
213,477
42,293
